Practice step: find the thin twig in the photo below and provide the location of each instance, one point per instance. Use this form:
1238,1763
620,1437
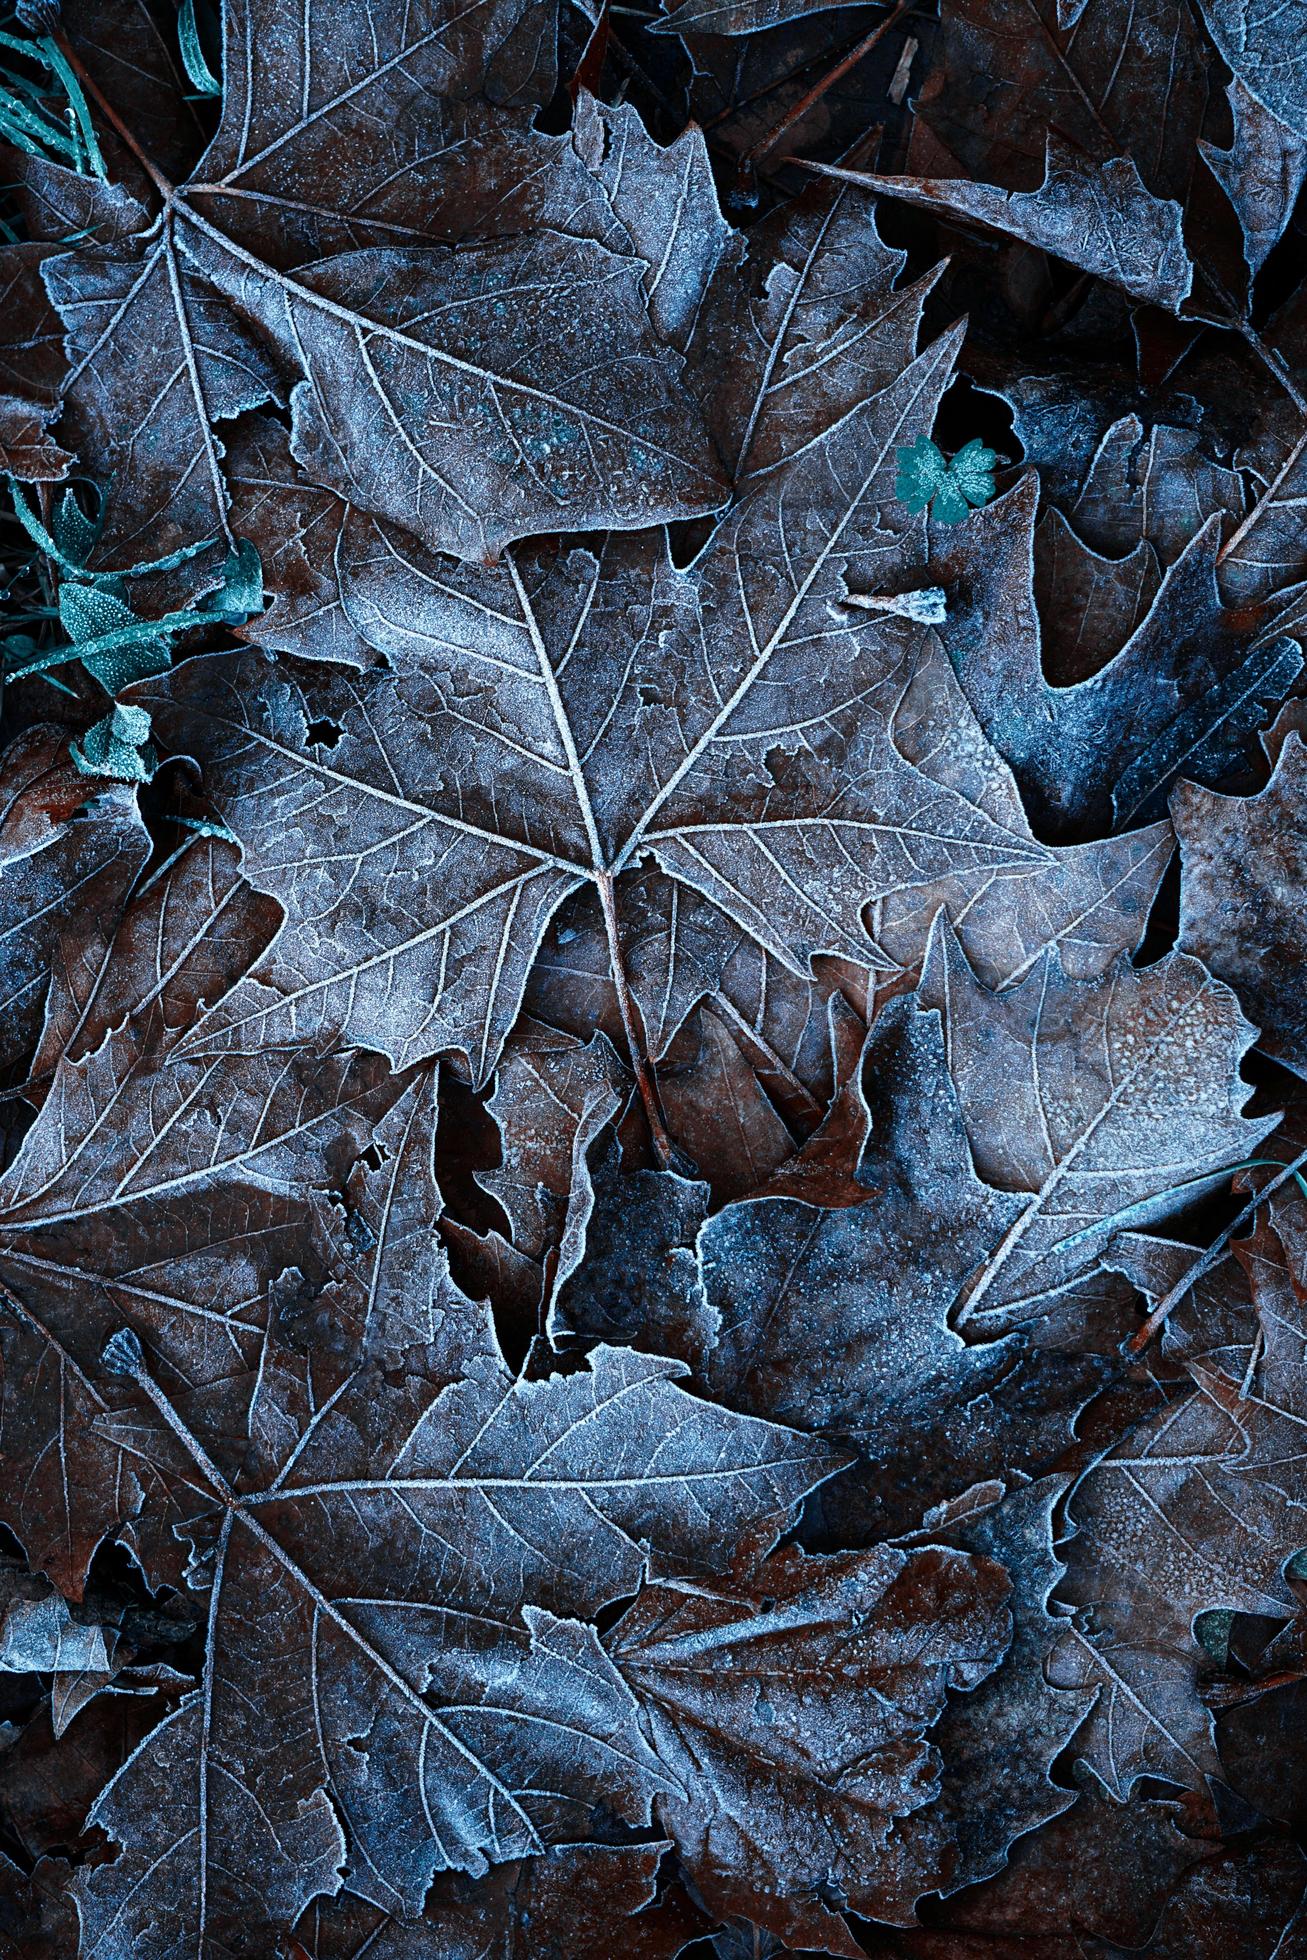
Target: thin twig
1204,1263
1255,513
161,183
818,89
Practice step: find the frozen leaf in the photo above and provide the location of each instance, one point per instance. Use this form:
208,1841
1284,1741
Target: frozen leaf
840,1320
1243,862
1097,1105
1261,173
1124,96
118,747
1000,1744
67,861
639,1280
1183,696
804,329
153,350
1264,47
1101,219
695,747
191,1249
1148,1558
454,391
405,1567
796,1716
666,201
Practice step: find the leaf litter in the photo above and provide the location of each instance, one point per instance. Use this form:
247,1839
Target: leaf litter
652,1237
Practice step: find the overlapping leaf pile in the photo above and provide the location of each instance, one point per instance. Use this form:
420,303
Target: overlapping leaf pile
652,1263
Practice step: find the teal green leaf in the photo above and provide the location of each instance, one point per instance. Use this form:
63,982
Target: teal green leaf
74,532
118,747
198,72
241,592
972,469
950,489
113,645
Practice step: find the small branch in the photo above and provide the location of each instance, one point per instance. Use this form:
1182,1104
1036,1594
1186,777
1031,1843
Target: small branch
1226,314
1254,515
1204,1263
814,94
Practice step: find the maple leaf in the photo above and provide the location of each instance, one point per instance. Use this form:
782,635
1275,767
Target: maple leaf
323,1467
360,1577
1146,1561
551,1101
702,746
604,1075
450,390
1102,220
1261,173
1010,80
797,1728
798,329
998,1746
847,1321
188,1249
1196,687
1116,1099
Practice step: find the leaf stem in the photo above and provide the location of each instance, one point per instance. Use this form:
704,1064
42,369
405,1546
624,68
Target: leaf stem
124,1355
162,184
669,1156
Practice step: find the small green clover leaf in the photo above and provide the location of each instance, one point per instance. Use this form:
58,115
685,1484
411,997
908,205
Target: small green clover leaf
927,477
118,747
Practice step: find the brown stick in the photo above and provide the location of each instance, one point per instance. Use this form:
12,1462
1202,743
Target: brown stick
1204,1263
1237,537
161,183
818,89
